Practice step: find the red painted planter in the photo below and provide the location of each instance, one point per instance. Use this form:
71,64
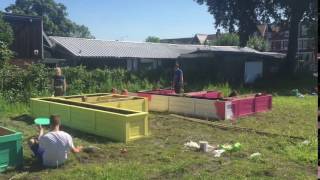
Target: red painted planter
205,94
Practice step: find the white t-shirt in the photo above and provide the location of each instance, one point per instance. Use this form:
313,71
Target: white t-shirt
56,146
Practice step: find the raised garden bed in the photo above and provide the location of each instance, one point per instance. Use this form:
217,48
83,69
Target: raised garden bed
207,104
115,123
193,104
11,154
249,104
112,100
205,94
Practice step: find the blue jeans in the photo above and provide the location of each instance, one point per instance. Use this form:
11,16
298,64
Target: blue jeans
37,151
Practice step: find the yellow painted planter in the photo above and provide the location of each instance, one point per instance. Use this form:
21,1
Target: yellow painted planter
112,100
117,124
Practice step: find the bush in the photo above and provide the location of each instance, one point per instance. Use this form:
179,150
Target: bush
227,40
6,33
19,85
257,43
6,38
5,53
153,39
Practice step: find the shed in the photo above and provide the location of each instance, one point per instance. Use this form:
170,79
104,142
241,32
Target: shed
141,55
28,40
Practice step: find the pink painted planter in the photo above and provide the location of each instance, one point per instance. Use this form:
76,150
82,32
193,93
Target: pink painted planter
243,106
198,103
205,94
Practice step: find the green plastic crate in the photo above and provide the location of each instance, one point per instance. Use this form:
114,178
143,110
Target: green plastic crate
11,154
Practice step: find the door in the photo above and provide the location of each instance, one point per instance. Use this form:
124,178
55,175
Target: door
253,70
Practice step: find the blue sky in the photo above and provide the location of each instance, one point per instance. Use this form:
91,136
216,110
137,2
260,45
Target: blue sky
134,20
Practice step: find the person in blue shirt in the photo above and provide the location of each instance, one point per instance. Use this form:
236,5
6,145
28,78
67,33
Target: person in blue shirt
178,79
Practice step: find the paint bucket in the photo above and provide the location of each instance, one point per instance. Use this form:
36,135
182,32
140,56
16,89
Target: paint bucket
203,146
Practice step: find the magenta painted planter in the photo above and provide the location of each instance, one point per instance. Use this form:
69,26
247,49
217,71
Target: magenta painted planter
247,105
207,103
205,94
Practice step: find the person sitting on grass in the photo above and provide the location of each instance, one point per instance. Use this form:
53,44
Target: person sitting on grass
52,148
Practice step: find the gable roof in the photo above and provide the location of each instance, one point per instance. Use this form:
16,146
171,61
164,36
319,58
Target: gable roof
94,48
196,39
202,38
262,29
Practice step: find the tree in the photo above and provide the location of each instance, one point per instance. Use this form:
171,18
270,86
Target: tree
246,14
6,34
55,20
230,39
257,43
153,39
6,38
232,14
294,12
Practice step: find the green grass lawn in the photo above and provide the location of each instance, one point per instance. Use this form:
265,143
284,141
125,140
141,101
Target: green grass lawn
163,156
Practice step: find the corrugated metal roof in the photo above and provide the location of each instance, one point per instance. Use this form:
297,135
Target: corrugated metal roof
121,49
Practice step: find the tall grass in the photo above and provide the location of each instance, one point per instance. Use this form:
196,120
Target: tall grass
19,85
11,109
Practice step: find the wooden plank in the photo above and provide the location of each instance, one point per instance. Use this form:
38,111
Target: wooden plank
159,103
181,105
205,108
233,127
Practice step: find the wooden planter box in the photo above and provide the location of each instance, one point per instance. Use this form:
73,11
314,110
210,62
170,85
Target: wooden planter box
199,106
11,154
205,104
117,124
249,104
112,100
158,100
205,94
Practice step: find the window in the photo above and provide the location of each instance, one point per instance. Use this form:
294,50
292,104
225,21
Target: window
272,46
269,35
305,44
304,30
285,45
308,44
286,34
300,44
300,57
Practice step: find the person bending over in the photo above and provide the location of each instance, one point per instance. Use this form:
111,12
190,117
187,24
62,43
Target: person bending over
52,148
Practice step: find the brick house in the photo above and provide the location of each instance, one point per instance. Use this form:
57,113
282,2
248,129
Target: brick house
278,38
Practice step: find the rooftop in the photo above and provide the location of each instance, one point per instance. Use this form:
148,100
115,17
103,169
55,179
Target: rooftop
95,48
